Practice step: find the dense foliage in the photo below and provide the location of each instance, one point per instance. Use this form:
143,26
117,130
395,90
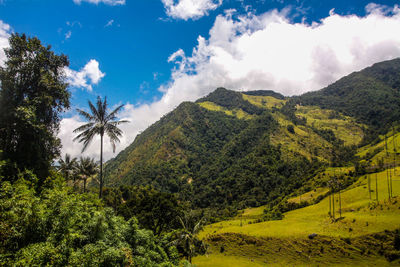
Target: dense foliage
59,228
230,100
154,210
265,93
32,94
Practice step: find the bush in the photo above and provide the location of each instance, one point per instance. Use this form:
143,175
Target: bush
59,228
290,128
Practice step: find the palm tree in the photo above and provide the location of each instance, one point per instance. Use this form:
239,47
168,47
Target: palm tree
67,166
85,169
187,235
100,122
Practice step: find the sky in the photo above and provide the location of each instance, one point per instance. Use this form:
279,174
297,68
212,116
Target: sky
151,55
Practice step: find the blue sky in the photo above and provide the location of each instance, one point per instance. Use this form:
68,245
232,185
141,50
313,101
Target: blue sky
141,52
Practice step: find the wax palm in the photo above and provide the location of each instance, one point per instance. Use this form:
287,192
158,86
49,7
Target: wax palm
100,122
187,238
85,169
67,166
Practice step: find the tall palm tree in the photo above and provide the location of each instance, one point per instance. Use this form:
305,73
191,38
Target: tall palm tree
100,122
67,166
86,168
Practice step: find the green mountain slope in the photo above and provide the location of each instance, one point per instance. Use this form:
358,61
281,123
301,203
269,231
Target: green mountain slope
232,149
372,96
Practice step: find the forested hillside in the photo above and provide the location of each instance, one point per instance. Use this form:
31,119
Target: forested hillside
372,96
232,149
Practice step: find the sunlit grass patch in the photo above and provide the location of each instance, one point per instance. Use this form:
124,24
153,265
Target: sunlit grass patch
360,215
345,128
239,113
268,102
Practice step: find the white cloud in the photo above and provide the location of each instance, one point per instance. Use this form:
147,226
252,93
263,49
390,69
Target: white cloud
107,2
268,52
90,74
68,35
189,9
5,31
109,23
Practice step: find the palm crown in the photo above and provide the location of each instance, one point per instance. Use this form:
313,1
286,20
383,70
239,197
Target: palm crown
99,122
86,168
67,166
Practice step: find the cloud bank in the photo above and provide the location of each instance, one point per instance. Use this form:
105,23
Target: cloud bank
89,75
268,51
190,9
5,31
107,2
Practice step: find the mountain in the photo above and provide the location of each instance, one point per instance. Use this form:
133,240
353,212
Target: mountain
238,149
372,96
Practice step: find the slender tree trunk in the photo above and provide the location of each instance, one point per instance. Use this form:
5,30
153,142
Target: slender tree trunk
369,186
394,150
391,185
388,183
330,204
333,205
376,186
84,185
101,166
340,205
386,148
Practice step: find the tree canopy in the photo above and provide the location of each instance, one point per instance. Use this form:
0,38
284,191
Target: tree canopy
33,92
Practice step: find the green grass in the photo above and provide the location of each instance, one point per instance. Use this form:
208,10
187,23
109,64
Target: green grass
356,213
239,113
241,250
268,102
344,127
286,243
303,141
309,196
213,260
378,150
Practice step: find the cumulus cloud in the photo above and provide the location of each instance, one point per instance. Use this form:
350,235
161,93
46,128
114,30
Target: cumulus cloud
5,31
189,9
107,2
269,52
90,74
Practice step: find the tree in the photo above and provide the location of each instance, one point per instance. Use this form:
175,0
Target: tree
100,122
67,166
85,169
33,92
187,239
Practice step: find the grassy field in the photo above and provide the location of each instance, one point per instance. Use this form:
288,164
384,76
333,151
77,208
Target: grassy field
303,141
357,211
344,127
361,216
268,102
240,114
309,196
378,151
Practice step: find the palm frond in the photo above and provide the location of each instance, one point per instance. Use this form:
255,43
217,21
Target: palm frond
84,127
86,115
95,112
112,115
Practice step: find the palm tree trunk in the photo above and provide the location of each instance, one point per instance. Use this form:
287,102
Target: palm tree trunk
376,186
369,186
101,166
84,185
